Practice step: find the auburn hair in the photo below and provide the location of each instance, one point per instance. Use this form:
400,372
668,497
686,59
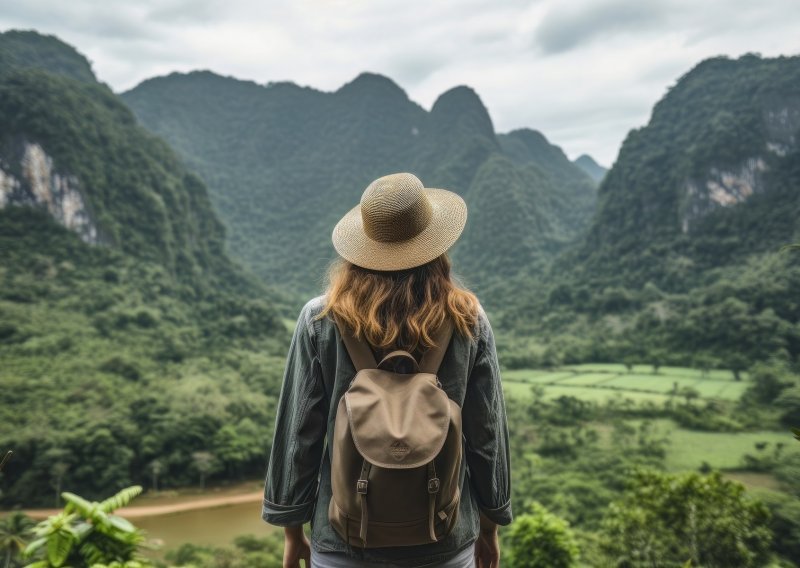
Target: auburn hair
400,309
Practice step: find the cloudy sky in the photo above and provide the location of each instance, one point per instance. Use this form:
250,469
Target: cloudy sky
584,72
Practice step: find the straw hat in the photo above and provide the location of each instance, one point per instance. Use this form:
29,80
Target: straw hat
399,224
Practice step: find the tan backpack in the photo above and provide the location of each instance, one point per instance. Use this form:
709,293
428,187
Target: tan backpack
396,450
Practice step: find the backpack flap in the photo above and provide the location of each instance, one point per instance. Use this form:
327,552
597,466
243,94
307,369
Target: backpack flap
397,421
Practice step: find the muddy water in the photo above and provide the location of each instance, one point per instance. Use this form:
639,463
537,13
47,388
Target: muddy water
216,526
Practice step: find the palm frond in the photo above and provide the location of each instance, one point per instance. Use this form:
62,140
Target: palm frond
59,545
121,499
92,553
33,546
121,523
78,503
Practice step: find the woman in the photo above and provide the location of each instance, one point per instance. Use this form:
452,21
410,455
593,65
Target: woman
393,288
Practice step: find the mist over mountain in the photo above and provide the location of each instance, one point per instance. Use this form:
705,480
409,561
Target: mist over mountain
283,163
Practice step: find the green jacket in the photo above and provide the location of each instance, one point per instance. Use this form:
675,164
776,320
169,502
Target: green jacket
318,371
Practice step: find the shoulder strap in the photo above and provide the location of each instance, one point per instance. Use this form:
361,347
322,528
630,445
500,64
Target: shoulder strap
358,350
432,358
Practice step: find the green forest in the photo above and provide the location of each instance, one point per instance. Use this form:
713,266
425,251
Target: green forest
647,318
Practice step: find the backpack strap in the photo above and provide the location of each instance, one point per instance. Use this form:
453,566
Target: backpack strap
361,488
359,351
432,358
433,489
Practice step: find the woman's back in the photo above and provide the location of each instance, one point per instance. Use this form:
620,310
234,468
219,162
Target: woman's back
389,303
319,370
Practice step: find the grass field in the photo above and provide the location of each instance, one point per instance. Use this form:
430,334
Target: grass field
603,381
688,449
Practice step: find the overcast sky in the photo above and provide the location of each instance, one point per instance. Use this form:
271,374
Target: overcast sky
584,72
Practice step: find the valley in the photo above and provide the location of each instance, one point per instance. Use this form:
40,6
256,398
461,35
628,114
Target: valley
156,245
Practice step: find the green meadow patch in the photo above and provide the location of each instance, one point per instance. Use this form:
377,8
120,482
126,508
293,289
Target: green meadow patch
602,381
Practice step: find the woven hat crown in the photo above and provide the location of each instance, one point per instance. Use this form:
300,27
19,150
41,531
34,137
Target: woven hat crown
395,208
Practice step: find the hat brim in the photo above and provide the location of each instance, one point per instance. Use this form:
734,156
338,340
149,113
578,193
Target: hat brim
449,216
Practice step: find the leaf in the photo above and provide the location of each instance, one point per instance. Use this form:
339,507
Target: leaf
82,529
76,502
121,499
121,523
34,545
796,432
59,545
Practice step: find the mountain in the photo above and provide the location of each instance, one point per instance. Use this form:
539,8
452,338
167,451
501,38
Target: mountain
592,168
712,178
32,50
683,255
283,163
126,332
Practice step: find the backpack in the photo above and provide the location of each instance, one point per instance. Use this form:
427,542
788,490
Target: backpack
396,450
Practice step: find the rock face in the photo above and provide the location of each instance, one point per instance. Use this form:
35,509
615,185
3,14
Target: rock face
782,124
722,188
39,185
726,187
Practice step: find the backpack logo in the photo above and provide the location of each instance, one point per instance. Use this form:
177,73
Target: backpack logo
399,450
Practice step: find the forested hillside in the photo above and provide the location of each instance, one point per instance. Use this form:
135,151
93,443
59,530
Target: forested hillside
283,163
682,260
129,341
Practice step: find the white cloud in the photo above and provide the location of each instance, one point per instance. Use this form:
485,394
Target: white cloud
584,72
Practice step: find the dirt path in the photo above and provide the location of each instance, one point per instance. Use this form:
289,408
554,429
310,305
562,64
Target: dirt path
167,508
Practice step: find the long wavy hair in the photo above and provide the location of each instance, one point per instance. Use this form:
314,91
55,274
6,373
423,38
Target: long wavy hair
399,309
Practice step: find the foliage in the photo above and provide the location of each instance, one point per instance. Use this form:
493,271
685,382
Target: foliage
88,534
142,346
248,552
29,49
663,270
16,529
665,520
539,539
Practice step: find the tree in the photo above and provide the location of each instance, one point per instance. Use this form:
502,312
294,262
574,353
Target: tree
204,464
657,357
539,539
737,363
15,530
789,403
88,534
156,466
59,467
769,380
690,394
667,520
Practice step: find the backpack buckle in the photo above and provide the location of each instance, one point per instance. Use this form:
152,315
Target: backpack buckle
433,485
361,486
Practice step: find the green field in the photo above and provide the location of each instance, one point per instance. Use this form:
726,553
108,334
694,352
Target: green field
687,449
599,382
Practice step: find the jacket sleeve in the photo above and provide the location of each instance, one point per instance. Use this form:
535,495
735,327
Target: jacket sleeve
486,431
290,488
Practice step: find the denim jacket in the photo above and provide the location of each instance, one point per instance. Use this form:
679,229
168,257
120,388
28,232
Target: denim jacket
318,371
